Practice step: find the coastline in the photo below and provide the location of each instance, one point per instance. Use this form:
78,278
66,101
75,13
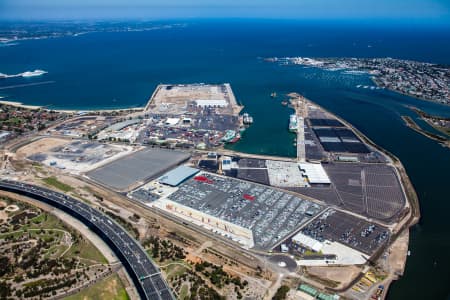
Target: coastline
374,80
20,104
68,111
412,212
408,187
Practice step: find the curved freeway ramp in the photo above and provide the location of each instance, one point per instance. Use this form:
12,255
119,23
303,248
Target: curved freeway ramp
145,274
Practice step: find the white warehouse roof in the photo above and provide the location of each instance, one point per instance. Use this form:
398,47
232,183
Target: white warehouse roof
315,173
178,175
307,241
172,121
219,103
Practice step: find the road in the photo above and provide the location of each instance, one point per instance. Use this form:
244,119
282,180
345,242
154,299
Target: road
145,274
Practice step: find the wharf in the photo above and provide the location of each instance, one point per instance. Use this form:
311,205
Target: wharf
299,104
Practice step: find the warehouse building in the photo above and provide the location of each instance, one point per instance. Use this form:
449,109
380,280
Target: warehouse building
211,103
308,242
178,175
315,173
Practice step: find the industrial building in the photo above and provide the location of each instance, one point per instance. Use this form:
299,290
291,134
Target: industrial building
178,175
307,242
315,173
211,103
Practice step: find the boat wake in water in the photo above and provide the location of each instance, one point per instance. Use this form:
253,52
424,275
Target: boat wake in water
25,74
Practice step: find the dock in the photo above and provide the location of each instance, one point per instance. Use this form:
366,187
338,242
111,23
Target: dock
299,104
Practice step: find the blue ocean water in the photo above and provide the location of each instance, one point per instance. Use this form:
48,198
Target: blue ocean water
116,70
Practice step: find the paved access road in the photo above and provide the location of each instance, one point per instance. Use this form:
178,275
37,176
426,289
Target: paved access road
145,274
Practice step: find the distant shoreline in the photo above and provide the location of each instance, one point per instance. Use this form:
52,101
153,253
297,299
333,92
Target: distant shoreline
69,111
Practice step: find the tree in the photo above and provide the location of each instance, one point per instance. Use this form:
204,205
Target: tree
281,293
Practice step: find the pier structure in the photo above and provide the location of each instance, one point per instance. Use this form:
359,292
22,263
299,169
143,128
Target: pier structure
300,106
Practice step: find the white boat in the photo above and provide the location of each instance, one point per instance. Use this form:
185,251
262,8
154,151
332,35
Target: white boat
33,73
247,119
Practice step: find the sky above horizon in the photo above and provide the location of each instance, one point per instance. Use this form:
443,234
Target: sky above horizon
431,11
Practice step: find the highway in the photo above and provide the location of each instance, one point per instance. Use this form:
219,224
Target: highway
145,274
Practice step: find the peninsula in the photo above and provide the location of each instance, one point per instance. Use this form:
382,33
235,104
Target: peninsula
417,79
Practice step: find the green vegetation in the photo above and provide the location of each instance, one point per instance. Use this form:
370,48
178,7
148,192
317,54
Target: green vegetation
184,291
163,250
86,251
312,253
218,276
52,181
281,293
110,288
190,286
39,219
31,260
20,120
175,269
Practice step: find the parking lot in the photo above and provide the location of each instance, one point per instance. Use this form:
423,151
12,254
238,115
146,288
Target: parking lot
368,189
346,229
269,213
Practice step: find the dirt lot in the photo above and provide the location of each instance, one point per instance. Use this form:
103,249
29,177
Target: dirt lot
398,254
343,275
42,145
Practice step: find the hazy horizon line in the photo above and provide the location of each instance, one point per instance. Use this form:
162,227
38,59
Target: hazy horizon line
360,21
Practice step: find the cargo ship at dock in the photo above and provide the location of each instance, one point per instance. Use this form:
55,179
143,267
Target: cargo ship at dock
293,123
236,138
229,136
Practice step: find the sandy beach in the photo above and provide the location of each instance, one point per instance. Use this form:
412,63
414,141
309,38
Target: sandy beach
68,111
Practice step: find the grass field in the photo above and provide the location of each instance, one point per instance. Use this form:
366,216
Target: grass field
174,270
39,219
87,252
52,181
110,288
184,291
47,221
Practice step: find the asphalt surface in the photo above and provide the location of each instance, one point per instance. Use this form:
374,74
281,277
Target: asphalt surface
140,166
145,274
